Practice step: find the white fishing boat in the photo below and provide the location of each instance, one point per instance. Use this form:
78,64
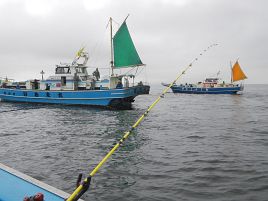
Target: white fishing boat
72,84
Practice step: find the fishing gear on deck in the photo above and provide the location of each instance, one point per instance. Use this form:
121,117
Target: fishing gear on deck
37,197
83,187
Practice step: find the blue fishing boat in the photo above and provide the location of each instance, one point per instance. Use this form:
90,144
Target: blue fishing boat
73,85
212,85
16,186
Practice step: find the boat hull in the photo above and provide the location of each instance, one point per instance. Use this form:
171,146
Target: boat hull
15,186
115,98
204,90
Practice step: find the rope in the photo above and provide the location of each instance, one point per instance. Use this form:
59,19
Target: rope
77,193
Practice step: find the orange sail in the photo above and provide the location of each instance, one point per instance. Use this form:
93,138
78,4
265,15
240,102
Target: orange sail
237,72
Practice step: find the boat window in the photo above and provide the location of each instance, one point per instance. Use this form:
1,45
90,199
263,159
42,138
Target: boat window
83,70
63,81
78,70
47,86
63,70
59,70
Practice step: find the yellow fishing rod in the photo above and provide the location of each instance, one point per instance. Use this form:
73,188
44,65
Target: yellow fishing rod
83,187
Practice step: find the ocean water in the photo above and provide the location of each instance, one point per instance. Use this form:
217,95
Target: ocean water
189,147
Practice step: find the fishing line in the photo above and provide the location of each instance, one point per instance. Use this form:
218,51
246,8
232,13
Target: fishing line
83,187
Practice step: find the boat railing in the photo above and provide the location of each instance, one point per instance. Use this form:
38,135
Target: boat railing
141,83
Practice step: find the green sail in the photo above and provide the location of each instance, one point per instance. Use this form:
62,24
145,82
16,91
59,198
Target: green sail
125,53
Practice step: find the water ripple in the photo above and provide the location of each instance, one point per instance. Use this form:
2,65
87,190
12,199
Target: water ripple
190,148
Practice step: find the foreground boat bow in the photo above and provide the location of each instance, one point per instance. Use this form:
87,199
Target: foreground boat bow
15,186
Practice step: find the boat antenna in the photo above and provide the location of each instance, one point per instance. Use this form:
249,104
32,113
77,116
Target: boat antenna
111,41
42,73
83,187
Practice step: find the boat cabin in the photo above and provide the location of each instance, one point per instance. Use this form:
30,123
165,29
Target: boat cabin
75,77
210,82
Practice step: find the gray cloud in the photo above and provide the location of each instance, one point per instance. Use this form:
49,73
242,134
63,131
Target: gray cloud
168,35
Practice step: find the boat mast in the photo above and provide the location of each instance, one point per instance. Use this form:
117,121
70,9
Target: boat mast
111,38
231,72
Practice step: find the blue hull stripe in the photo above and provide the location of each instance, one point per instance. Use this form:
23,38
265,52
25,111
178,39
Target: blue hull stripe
48,98
86,97
223,90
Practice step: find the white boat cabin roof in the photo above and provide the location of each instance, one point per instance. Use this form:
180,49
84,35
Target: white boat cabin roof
211,80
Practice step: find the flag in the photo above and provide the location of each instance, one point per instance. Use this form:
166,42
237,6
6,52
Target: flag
80,52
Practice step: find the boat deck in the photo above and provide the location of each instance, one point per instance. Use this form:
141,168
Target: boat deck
15,186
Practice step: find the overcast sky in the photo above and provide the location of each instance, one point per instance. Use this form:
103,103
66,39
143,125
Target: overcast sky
168,35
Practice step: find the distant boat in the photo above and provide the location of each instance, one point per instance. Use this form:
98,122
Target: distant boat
73,85
213,86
